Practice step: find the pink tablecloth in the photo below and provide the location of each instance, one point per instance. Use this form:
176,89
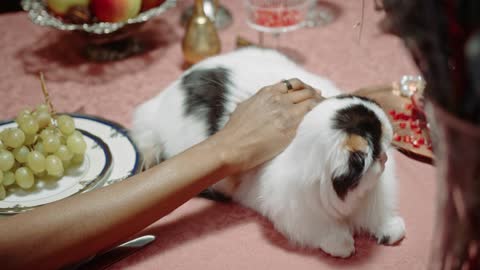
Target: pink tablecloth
203,234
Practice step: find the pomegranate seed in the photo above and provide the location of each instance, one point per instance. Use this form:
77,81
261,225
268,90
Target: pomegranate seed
415,144
403,125
421,141
413,125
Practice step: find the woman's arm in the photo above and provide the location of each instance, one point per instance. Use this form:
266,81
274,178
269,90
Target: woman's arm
66,231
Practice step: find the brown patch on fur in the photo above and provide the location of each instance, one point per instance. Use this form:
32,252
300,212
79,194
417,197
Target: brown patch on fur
356,143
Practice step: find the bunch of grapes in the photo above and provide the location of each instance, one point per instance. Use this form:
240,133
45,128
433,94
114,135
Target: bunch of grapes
42,145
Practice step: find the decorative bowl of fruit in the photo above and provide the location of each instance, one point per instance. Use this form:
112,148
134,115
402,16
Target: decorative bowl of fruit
108,25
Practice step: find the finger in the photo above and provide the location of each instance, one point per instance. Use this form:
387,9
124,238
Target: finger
319,95
302,95
290,85
305,106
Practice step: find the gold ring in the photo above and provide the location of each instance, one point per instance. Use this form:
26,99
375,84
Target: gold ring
287,84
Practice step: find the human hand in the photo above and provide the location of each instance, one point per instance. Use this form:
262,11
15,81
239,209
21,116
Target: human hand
263,125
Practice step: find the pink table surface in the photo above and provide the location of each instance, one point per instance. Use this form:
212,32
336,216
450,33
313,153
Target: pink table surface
203,234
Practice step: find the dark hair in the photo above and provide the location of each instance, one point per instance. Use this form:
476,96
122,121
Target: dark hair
437,33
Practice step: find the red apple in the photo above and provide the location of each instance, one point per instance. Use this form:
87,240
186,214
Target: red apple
61,7
115,10
148,4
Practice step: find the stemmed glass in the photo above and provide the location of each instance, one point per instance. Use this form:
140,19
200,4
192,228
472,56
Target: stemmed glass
275,16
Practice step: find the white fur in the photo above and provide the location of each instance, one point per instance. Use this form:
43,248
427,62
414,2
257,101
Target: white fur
294,190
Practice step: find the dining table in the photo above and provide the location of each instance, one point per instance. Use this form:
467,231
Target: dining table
352,51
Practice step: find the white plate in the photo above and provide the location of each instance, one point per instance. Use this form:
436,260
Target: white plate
111,157
127,160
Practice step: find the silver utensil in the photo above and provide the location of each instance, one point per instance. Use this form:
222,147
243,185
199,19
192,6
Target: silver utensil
111,256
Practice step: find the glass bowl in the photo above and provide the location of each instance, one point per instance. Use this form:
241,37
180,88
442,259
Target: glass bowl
106,41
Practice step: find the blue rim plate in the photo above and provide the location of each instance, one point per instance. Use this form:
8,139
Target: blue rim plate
93,171
123,154
127,159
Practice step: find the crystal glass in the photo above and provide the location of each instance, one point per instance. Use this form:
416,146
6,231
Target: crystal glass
276,16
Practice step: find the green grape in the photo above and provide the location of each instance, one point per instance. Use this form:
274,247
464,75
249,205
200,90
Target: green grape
21,154
6,160
66,164
63,139
54,166
78,158
76,144
8,178
14,138
51,143
3,192
43,119
29,126
24,112
46,132
42,108
66,124
40,174
63,153
39,147
36,161
4,133
77,133
1,177
24,177
30,139
22,115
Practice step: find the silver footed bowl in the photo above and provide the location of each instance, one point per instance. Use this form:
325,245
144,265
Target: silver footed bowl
38,13
106,41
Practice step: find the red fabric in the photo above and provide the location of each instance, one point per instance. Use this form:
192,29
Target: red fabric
203,234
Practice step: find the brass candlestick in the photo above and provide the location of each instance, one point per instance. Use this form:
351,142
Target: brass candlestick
201,38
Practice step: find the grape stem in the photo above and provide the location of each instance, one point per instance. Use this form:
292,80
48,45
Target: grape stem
46,95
